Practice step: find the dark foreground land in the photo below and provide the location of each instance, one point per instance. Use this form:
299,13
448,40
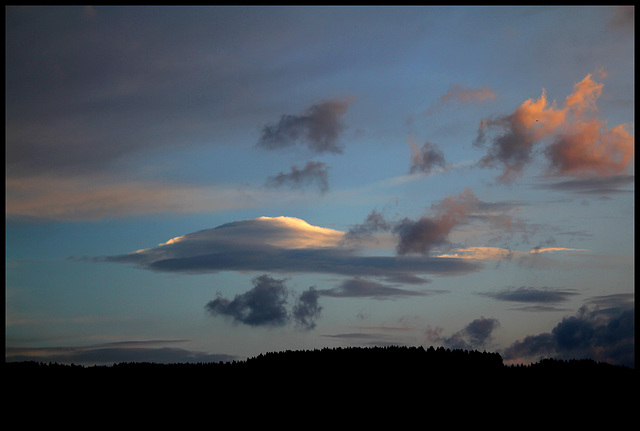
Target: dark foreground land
428,380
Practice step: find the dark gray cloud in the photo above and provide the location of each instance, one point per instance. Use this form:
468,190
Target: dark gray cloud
593,185
361,288
312,172
264,305
427,158
475,335
112,353
306,310
511,149
318,128
374,223
280,245
531,295
602,334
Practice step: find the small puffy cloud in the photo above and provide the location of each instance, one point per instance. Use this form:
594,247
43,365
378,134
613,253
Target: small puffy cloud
307,310
312,172
575,141
476,335
266,305
430,231
426,158
262,305
318,128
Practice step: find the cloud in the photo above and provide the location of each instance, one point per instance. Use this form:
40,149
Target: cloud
266,305
360,288
427,158
374,223
463,95
262,305
531,295
623,17
318,127
312,172
96,197
154,351
575,141
281,245
428,232
475,335
594,185
605,335
306,310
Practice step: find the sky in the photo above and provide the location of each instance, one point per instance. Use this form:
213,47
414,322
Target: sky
198,184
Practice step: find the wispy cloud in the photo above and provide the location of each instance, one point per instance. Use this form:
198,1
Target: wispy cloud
463,95
593,186
525,294
312,172
426,158
95,197
157,351
362,288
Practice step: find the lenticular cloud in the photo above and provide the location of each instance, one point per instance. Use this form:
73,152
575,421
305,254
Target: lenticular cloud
281,245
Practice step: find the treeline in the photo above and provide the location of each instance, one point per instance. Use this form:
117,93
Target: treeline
406,377
352,362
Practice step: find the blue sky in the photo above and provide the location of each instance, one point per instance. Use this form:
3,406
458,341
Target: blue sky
212,183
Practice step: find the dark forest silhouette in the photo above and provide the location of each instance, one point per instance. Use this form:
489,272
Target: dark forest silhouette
435,380
372,364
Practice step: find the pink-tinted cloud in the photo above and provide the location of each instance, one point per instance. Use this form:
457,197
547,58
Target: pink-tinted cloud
463,94
575,141
429,231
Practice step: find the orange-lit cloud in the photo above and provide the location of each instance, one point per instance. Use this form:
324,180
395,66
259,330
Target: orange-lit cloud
577,142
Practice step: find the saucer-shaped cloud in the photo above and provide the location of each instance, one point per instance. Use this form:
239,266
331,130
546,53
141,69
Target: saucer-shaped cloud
284,245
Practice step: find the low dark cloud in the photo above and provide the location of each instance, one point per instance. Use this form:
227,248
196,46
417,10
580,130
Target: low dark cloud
604,334
531,295
312,172
113,353
476,335
266,305
593,185
318,128
426,159
362,288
